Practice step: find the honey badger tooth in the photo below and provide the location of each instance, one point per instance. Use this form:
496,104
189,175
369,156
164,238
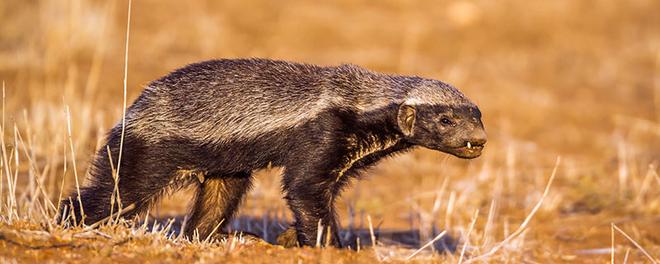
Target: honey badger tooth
469,145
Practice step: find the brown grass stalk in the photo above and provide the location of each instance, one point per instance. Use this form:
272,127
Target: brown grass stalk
73,162
612,244
373,238
208,238
646,253
467,236
121,212
436,238
523,226
124,91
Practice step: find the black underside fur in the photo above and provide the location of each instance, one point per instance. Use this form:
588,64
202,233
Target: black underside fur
319,157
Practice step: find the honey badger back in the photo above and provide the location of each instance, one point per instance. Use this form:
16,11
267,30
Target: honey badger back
212,123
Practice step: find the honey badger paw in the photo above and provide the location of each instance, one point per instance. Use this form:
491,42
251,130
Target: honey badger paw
288,238
242,237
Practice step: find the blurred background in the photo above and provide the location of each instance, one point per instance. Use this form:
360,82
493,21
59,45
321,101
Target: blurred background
576,79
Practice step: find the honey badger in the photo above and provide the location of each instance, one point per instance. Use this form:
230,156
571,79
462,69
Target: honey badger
213,123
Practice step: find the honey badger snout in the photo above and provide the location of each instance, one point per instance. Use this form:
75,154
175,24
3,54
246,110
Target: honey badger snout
472,144
476,138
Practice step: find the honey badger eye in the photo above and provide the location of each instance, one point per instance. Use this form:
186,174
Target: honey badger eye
446,121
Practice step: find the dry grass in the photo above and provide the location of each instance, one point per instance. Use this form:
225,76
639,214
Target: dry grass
575,79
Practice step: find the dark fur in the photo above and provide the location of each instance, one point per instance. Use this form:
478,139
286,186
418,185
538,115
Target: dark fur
166,145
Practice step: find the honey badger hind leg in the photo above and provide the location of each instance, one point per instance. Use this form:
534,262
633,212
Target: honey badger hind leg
216,201
146,172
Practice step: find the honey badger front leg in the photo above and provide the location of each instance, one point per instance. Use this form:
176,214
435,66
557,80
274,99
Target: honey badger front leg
314,183
309,194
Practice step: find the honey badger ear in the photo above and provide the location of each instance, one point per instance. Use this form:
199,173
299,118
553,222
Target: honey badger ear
406,119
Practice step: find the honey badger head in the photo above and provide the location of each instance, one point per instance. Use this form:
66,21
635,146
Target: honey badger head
437,116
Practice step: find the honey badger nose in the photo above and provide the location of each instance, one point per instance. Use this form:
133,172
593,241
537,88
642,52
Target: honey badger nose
477,137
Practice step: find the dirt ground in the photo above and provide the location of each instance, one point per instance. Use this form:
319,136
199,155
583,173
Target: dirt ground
574,80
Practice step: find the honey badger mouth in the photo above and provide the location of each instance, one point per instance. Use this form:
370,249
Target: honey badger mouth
468,151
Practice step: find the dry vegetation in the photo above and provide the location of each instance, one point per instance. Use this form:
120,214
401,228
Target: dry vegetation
576,79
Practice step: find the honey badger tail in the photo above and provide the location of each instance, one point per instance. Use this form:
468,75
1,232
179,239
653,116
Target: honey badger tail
143,176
